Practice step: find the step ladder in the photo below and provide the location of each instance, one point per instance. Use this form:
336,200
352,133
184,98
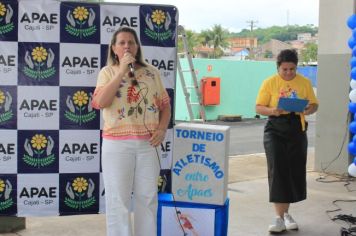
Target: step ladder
188,90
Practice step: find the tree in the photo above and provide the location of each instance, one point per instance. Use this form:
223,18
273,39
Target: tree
268,54
219,40
192,40
282,33
310,53
206,37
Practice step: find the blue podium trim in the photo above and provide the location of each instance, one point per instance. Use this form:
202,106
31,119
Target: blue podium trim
221,212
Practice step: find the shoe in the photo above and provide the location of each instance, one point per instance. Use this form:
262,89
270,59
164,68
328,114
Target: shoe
290,222
278,226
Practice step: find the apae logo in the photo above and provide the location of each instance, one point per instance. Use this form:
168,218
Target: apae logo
39,151
5,106
158,23
5,191
81,22
6,13
39,65
80,193
79,108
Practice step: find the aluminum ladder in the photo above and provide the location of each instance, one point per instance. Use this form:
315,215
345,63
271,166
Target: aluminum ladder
187,90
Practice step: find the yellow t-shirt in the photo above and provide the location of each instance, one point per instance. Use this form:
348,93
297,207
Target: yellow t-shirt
275,87
134,112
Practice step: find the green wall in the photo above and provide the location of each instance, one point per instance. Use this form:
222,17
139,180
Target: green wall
239,83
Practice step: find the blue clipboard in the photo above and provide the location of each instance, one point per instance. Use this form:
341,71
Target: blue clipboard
292,104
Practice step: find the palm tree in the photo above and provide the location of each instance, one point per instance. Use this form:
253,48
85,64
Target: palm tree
219,39
206,37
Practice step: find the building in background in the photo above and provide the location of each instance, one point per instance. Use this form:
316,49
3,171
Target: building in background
270,50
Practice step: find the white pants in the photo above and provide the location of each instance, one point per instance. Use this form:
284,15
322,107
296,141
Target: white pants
130,166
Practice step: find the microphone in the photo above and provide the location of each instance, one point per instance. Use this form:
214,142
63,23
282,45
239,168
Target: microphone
132,70
132,75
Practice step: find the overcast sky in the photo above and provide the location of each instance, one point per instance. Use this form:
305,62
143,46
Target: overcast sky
234,14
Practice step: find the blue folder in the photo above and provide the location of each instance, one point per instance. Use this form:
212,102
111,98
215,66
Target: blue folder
292,104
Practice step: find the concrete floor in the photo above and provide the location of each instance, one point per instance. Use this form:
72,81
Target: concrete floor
249,212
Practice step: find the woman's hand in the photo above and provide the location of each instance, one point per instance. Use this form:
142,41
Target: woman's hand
268,111
310,109
275,111
157,137
125,61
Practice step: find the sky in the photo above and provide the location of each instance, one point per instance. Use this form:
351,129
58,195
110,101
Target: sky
233,15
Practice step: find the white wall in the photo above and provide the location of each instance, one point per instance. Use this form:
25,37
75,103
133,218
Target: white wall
333,86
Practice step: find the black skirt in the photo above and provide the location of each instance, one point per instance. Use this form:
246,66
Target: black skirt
286,146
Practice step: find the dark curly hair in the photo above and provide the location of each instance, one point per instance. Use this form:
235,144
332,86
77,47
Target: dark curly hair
287,55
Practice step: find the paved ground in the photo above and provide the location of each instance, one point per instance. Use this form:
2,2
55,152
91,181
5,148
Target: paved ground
249,212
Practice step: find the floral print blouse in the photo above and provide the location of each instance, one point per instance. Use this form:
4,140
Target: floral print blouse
134,112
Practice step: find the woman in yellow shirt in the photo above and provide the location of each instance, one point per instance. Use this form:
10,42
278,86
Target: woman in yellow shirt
136,113
285,140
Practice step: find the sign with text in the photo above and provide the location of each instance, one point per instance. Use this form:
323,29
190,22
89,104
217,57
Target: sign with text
200,163
51,53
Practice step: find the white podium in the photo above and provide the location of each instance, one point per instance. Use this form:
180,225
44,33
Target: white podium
200,163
